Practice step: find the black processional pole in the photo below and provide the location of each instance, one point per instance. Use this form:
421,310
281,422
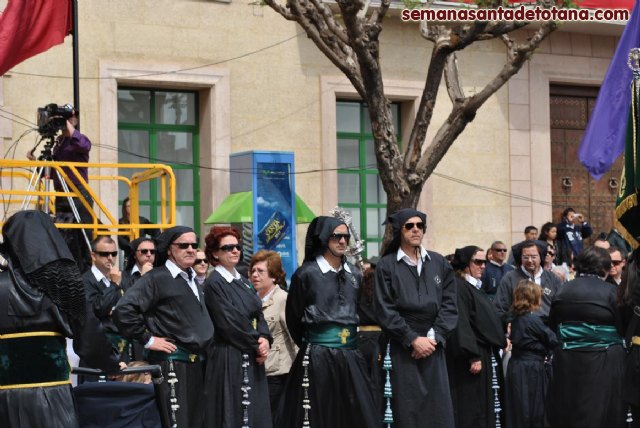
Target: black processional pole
76,62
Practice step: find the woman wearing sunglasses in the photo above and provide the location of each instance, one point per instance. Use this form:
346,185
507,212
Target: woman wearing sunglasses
201,267
235,380
472,350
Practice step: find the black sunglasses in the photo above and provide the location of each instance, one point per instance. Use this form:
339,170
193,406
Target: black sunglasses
551,253
147,251
198,261
500,250
479,262
419,225
230,247
185,245
616,262
107,253
339,236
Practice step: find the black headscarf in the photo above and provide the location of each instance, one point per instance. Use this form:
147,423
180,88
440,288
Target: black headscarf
133,247
165,239
462,257
517,251
37,249
397,220
32,239
317,240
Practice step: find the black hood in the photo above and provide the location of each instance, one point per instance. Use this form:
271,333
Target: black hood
397,220
164,240
32,239
317,240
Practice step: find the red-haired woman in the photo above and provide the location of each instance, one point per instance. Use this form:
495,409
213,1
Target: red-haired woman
236,385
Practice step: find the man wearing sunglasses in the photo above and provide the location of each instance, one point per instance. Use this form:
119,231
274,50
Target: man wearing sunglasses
102,288
415,303
165,312
139,261
497,267
322,319
617,266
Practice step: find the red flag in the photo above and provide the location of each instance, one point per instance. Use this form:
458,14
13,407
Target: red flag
29,27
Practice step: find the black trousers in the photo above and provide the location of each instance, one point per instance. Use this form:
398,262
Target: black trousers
276,387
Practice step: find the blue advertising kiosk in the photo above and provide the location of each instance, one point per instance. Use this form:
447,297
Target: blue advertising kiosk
264,205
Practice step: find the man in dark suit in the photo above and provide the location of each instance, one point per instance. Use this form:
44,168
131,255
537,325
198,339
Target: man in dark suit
102,289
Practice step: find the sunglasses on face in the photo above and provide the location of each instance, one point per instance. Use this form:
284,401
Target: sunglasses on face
616,262
198,261
551,253
419,225
229,247
146,251
339,236
500,250
479,262
185,245
107,253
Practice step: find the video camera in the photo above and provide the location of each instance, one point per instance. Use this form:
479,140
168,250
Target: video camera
53,118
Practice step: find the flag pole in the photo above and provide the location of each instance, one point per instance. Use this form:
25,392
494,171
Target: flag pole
76,62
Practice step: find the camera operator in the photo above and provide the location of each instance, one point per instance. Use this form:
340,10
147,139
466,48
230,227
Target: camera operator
72,146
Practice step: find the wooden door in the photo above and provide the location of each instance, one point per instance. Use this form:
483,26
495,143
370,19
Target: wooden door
572,186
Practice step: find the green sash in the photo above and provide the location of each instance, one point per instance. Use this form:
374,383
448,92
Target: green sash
33,359
333,335
589,336
180,354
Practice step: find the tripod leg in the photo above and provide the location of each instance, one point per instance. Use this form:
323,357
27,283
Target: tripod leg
35,178
74,209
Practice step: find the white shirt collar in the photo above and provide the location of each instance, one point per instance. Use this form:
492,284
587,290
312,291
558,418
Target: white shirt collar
401,254
497,264
326,267
175,270
135,269
228,276
99,276
473,281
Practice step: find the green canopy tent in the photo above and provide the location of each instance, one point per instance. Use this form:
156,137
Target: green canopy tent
238,208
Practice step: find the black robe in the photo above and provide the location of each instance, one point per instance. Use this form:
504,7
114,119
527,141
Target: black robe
527,379
586,389
477,337
25,309
233,307
340,390
372,345
163,306
407,306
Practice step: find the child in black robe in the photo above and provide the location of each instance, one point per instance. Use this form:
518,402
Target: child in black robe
527,378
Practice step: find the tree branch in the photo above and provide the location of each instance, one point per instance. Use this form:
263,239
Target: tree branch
465,111
452,79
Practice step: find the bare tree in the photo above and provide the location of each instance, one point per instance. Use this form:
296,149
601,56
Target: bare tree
349,37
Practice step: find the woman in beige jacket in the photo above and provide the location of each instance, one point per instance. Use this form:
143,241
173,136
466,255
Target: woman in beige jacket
268,278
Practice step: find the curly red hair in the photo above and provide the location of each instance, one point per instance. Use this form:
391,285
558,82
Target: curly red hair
212,240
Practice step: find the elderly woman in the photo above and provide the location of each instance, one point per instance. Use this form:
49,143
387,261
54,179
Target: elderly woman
469,351
268,278
586,389
236,386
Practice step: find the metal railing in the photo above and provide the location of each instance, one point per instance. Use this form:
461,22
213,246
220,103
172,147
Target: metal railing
22,187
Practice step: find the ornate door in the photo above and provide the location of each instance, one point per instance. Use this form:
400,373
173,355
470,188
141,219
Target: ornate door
572,186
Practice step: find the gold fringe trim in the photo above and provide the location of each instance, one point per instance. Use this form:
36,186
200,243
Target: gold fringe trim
36,385
626,235
29,334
